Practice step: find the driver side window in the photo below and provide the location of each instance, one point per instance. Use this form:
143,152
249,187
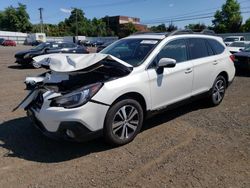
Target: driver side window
176,49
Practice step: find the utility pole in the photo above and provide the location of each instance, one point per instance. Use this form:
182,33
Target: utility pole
41,19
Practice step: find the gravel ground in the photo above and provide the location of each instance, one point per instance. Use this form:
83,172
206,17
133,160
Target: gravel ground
192,146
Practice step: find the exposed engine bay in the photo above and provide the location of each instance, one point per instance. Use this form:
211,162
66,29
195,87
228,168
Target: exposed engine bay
69,73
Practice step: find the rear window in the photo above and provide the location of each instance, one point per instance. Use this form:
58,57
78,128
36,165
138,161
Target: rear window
197,48
217,47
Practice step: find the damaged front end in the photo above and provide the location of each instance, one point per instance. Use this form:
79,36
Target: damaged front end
60,101
73,79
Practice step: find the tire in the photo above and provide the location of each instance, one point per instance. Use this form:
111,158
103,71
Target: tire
120,129
218,91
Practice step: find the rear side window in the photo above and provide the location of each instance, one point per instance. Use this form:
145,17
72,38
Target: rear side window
217,47
197,48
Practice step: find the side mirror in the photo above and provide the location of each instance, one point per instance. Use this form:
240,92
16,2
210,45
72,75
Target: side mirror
167,62
241,50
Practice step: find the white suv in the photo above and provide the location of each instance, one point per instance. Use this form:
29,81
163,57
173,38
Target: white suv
112,92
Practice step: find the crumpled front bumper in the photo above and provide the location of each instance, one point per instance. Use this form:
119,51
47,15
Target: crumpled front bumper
85,121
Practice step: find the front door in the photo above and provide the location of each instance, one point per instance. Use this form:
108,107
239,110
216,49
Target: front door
174,84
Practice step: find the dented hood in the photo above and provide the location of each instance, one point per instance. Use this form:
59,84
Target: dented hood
74,62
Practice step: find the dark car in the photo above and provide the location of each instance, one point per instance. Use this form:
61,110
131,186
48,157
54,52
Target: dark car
96,43
25,57
242,59
1,41
100,48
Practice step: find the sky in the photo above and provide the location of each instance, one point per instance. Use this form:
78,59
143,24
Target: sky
151,12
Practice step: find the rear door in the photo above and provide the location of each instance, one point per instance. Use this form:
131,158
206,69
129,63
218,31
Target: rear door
204,64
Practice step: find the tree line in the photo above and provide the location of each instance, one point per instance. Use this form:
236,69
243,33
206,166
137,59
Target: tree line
227,19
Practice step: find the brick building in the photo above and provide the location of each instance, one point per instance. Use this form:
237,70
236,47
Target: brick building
115,23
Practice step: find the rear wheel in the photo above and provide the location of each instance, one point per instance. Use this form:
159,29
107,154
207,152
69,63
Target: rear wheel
218,91
123,122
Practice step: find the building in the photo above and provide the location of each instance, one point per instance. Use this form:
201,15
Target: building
115,23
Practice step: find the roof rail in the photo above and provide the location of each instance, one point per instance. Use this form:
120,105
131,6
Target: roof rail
179,32
141,32
149,32
208,32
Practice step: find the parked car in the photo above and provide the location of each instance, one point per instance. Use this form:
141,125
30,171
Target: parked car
231,39
112,92
96,43
101,47
36,43
242,59
1,41
9,43
238,46
26,57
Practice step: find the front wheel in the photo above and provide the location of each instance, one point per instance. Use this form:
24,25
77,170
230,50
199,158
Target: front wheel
218,91
123,122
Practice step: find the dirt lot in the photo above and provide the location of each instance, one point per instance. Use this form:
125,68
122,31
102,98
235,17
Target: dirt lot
192,146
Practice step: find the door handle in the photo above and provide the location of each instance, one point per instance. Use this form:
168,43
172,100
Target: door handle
188,70
215,62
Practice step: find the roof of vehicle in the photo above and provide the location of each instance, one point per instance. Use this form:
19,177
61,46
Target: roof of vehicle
234,37
159,36
245,42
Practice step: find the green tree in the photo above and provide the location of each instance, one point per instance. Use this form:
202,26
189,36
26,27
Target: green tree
196,27
171,27
228,19
15,19
23,23
246,26
159,28
126,29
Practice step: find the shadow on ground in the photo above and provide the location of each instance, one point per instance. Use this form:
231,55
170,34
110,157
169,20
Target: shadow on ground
24,141
242,73
20,67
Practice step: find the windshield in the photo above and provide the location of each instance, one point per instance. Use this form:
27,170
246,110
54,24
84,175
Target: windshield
238,44
132,51
40,46
247,49
231,39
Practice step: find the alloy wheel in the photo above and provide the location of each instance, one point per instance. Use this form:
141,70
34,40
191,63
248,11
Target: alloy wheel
219,91
125,122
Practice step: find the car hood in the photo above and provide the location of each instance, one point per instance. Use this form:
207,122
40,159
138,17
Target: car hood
243,54
75,62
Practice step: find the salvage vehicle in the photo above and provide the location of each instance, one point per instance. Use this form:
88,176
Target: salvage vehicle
242,59
25,58
112,92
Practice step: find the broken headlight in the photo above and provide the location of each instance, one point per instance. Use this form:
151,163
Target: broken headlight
78,97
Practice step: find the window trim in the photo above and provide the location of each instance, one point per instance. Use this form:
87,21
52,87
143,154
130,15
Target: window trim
150,65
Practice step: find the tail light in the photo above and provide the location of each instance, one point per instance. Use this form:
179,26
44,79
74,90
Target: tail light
232,57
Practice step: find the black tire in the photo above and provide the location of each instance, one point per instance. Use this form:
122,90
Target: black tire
218,91
118,131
